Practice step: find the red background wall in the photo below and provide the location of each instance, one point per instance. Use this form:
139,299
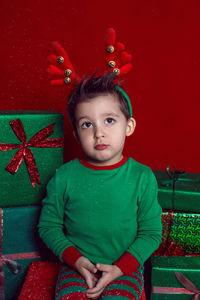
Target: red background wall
163,37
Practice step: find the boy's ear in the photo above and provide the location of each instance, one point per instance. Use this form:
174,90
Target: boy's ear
131,123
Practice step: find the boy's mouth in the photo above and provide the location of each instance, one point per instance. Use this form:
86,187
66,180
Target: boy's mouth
101,147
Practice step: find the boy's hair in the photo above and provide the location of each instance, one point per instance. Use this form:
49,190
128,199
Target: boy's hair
93,86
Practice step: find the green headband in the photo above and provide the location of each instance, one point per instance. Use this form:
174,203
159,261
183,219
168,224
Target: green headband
119,89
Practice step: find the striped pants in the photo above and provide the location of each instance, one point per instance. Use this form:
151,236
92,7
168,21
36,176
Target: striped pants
72,286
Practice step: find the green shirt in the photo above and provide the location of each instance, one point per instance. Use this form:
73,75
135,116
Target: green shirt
102,212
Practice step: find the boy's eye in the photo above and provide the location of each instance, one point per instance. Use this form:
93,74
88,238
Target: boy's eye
109,121
86,125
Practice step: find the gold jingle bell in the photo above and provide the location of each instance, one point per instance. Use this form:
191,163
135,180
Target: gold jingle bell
67,80
110,49
60,59
112,63
68,72
116,71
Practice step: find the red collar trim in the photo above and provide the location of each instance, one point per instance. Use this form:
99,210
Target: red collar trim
111,167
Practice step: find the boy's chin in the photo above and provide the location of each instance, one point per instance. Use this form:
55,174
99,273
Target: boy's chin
96,162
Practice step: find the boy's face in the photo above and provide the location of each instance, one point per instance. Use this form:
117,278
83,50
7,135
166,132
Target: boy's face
102,129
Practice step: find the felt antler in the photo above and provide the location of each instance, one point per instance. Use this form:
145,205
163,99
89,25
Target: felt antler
117,59
60,65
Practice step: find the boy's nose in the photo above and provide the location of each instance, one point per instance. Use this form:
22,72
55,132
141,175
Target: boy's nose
98,132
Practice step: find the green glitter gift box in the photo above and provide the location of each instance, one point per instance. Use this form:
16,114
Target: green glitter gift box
178,190
31,148
19,246
175,278
180,234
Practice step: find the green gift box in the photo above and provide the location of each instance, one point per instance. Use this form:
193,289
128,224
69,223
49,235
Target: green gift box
19,246
175,277
178,190
180,234
31,149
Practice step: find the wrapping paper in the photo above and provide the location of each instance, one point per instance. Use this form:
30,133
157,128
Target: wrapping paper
186,194
180,235
28,154
165,281
19,246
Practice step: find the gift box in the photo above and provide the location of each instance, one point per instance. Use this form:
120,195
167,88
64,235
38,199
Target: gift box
175,277
178,190
19,246
40,281
180,234
31,149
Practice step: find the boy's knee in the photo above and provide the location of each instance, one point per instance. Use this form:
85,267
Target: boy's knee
72,296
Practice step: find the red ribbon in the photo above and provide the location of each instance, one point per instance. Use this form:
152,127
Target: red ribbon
9,259
24,153
188,285
189,288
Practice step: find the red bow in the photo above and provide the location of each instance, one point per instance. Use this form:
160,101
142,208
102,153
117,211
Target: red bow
38,140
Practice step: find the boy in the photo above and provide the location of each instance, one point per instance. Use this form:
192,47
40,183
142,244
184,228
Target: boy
101,215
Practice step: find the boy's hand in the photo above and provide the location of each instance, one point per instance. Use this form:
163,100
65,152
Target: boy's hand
109,273
87,270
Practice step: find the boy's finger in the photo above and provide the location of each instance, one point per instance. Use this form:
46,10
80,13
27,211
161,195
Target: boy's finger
95,295
91,267
89,280
89,283
103,268
101,284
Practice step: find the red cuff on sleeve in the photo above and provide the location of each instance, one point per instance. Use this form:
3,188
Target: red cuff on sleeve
70,256
127,263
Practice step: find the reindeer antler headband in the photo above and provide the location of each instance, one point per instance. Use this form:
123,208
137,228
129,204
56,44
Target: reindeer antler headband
118,61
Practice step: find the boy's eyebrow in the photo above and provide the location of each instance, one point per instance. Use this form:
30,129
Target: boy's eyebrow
103,115
83,117
111,114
